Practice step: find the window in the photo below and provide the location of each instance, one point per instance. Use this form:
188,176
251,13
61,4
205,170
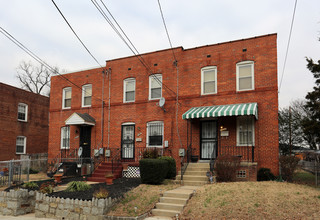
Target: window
245,76
66,98
155,86
129,87
21,145
241,174
208,80
86,95
155,134
22,112
65,137
245,131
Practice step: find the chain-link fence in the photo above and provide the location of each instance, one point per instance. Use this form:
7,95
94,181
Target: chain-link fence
313,167
18,171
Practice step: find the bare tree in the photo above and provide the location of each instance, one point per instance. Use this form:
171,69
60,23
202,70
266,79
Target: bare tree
34,78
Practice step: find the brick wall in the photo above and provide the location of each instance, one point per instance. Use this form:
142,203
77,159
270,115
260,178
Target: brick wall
262,50
35,129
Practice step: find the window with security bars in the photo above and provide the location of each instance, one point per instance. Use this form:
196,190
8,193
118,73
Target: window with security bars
155,134
129,87
245,131
22,112
208,80
21,145
65,137
245,76
155,86
86,95
66,98
241,174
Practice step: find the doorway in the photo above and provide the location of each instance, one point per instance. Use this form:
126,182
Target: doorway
85,142
208,140
127,141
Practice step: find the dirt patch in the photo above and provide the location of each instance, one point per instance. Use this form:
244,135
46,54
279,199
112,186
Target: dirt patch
144,198
117,189
254,200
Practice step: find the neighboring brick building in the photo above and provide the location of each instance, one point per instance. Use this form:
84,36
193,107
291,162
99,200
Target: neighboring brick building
231,79
24,123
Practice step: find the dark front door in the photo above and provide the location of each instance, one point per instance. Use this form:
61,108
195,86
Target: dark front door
85,142
127,142
208,140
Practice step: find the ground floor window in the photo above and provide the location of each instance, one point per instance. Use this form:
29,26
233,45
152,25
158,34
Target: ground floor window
241,174
21,145
155,134
65,137
245,131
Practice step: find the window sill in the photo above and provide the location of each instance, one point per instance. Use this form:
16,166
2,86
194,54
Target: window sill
22,120
155,146
20,153
246,90
86,106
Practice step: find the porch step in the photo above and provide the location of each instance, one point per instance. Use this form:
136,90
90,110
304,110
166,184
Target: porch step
194,172
173,200
193,177
105,167
199,165
169,206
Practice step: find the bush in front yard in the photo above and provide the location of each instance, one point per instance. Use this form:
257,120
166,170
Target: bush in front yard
264,174
151,153
288,165
153,171
172,171
226,167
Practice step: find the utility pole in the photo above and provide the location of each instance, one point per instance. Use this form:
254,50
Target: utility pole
290,136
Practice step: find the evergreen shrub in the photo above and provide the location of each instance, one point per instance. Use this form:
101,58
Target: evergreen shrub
172,171
153,171
264,174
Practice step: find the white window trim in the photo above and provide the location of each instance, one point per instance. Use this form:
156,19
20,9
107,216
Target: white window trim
26,113
64,96
24,144
245,63
151,77
125,89
202,79
250,120
155,122
61,138
83,93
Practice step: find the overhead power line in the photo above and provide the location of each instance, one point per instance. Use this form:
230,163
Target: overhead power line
38,59
75,33
287,50
126,40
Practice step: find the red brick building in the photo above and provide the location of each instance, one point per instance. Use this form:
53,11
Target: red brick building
24,123
119,107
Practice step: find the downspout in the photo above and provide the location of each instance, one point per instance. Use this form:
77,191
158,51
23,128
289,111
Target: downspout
102,108
109,107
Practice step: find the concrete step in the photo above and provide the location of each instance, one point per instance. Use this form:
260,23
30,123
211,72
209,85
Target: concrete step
193,178
205,169
180,201
199,165
169,206
178,193
194,172
193,183
164,212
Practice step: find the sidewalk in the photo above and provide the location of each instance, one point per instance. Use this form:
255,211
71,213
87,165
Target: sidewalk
27,217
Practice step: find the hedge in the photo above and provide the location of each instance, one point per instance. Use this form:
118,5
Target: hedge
153,171
172,171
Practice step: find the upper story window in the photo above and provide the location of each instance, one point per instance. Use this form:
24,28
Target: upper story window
22,112
209,80
155,86
155,134
245,76
129,88
66,98
65,137
245,131
86,95
21,142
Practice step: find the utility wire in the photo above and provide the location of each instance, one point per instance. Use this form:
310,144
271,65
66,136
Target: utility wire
285,59
75,33
177,69
37,58
132,48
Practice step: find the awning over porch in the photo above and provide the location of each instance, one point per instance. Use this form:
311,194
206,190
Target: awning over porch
80,119
222,110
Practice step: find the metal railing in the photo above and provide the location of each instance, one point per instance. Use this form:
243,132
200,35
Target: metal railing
186,160
246,153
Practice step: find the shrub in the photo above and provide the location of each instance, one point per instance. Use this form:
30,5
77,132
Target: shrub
288,165
30,185
172,171
264,174
151,153
153,171
226,167
76,186
102,193
47,187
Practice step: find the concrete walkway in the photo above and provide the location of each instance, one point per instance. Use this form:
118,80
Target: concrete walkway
30,216
172,202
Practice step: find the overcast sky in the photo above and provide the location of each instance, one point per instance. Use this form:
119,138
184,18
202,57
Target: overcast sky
38,25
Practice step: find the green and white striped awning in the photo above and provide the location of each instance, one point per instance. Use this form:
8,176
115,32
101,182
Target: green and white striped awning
222,110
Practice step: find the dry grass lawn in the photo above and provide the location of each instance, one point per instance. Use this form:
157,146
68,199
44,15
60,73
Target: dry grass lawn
254,200
144,197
